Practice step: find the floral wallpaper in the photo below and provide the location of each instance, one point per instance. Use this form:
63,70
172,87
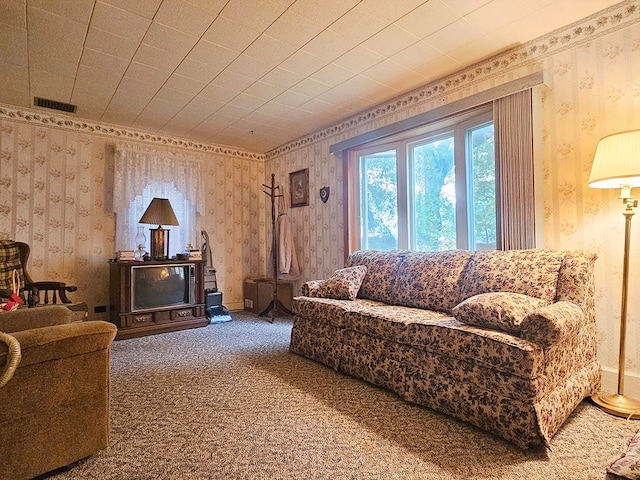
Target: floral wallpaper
55,176
56,196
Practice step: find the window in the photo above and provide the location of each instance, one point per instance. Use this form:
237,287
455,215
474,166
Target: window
430,189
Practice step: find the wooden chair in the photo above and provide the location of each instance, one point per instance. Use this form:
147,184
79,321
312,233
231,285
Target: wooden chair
14,256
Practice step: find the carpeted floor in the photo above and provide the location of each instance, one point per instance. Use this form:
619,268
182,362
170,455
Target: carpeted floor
228,401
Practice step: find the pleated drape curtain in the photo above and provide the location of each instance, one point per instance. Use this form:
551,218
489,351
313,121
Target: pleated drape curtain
515,200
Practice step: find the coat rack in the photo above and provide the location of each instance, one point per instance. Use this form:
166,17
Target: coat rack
275,304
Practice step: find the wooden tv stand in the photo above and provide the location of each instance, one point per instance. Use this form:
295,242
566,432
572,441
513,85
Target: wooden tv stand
154,320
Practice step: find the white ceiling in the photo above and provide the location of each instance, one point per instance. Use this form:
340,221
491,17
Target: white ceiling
253,74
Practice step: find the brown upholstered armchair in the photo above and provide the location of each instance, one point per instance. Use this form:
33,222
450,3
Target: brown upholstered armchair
14,255
54,408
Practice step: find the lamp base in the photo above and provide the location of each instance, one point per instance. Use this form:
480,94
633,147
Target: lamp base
619,405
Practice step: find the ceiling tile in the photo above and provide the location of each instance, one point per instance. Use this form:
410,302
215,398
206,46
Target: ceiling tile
454,35
394,10
119,22
358,59
328,46
245,13
146,73
154,57
110,43
478,49
416,55
465,7
310,87
48,85
184,16
269,50
293,29
265,91
249,67
143,8
178,97
499,13
332,75
359,23
218,93
43,26
231,35
104,61
185,84
91,81
428,18
391,40
303,63
166,38
118,117
13,42
203,72
13,14
292,99
212,6
207,52
281,78
13,77
326,12
78,10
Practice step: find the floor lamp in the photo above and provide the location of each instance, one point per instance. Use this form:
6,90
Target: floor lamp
617,165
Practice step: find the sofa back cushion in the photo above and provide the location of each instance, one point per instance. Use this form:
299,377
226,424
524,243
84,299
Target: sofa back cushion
529,272
382,272
430,280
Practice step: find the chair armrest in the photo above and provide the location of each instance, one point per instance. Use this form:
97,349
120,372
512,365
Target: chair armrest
310,288
58,288
550,324
61,341
29,318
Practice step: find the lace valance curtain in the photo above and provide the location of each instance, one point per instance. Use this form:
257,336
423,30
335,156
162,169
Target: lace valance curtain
140,175
135,168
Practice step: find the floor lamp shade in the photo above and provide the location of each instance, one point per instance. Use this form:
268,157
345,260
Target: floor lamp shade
617,165
159,212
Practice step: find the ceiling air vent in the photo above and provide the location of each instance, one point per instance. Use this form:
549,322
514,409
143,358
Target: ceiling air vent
53,105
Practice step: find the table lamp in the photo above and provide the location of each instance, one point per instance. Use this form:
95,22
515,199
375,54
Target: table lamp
159,212
617,165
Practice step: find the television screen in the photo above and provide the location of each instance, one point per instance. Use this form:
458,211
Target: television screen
160,286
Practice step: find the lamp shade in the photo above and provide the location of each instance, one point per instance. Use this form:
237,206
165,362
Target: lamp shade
159,212
617,161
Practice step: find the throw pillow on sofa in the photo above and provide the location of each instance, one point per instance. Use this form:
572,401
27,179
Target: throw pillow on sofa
500,310
344,284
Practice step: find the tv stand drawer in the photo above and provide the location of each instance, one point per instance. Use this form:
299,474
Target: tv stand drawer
139,319
182,314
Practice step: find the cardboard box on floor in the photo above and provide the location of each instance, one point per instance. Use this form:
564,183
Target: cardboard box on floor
258,293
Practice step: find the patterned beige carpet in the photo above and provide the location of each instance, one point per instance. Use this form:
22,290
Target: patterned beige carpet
228,401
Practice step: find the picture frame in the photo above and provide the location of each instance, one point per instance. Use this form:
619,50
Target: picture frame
299,188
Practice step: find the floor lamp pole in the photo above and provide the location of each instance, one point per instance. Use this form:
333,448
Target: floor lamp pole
619,404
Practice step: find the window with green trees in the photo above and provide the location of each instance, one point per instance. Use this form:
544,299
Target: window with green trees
432,189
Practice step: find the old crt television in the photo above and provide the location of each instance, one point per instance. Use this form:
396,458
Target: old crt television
161,286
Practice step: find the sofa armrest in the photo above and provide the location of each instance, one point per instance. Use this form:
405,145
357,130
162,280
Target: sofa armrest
28,318
550,324
310,288
40,345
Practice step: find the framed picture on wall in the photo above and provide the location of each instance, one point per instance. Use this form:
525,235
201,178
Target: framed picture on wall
299,188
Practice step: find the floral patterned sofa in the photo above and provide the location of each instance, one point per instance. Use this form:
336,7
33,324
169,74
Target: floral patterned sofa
505,340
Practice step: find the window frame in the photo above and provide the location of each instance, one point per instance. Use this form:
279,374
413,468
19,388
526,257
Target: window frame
403,143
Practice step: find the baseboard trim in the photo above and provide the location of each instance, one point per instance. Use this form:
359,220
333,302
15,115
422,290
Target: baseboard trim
610,383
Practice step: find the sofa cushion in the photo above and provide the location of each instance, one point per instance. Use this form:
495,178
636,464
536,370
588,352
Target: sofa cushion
530,272
382,271
344,284
430,280
500,310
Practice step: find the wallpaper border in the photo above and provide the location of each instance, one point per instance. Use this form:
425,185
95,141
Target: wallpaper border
46,119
